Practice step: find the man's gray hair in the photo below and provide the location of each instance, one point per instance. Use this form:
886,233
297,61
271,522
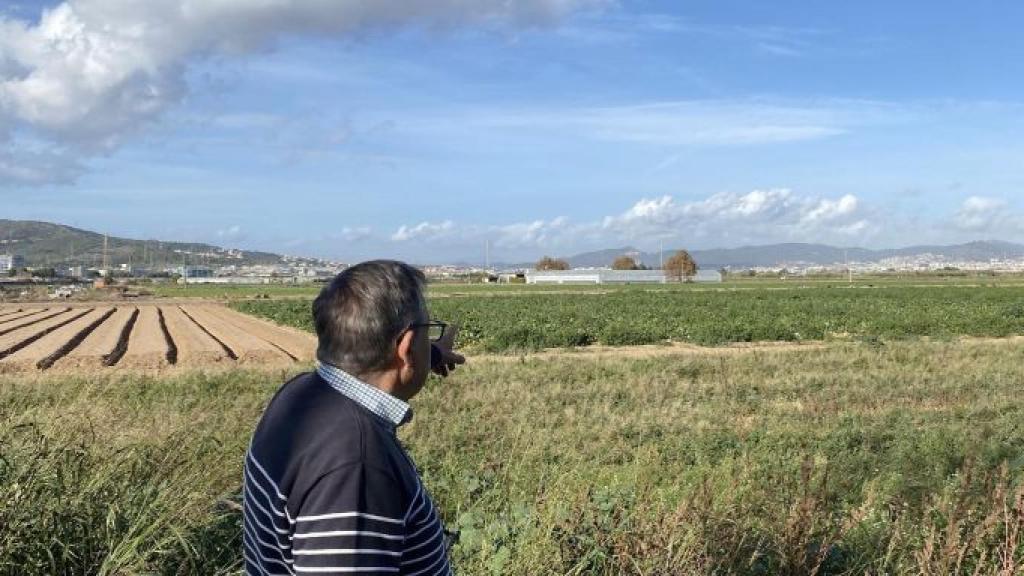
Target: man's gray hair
361,313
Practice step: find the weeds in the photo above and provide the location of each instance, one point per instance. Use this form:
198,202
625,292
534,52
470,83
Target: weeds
855,460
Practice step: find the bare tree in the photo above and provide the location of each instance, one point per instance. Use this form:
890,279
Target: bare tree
549,263
680,267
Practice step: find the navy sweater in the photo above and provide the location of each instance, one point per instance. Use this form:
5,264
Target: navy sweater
328,489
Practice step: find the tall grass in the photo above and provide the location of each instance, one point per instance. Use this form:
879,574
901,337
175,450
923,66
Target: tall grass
903,458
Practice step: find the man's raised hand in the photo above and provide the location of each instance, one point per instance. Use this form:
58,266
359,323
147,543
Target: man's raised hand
443,356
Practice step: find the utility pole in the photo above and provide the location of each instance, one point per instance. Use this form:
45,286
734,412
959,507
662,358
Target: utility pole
661,255
849,271
487,254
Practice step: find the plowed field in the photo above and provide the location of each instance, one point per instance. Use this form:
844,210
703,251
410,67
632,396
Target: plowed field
143,336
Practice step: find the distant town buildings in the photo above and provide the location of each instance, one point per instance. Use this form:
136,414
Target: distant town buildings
10,262
607,276
298,271
896,264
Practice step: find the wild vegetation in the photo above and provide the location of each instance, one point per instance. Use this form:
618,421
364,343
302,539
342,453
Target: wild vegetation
529,320
858,459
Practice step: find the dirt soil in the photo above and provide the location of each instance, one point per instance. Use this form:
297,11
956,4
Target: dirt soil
98,336
653,350
12,336
147,347
296,343
27,319
52,342
194,345
19,313
99,344
246,348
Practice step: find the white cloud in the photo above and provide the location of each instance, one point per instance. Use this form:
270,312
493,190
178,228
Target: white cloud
424,231
674,123
91,72
531,234
982,214
759,216
350,234
233,232
37,166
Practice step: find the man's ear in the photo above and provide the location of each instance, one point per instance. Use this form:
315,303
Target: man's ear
403,351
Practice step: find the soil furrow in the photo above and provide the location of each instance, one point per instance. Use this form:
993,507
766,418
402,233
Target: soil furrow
122,341
172,348
227,351
29,320
21,313
102,341
41,333
300,346
195,345
146,336
246,347
75,339
147,348
9,312
15,336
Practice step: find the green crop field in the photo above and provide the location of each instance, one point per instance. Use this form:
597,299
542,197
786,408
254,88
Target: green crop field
734,282
856,459
625,316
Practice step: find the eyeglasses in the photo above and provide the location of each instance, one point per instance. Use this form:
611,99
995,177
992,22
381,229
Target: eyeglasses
435,329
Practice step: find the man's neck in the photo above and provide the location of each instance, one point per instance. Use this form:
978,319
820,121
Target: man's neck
386,381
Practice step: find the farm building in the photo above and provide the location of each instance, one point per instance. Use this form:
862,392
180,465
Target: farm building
607,276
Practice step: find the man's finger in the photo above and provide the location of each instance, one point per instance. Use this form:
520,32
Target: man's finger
450,334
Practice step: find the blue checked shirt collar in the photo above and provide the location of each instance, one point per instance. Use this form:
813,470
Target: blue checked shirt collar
373,399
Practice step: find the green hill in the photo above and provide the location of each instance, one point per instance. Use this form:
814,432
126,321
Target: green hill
48,244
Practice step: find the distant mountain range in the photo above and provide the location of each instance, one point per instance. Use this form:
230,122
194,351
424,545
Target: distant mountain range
795,254
47,244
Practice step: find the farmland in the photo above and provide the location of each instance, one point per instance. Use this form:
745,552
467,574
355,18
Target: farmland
887,445
629,316
146,336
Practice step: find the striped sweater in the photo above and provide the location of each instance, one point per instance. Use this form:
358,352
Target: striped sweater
328,488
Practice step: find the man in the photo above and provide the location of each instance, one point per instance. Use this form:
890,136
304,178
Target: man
328,488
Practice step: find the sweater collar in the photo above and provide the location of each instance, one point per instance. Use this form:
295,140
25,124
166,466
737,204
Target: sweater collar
388,407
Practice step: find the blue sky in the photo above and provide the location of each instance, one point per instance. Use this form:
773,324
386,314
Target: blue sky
423,129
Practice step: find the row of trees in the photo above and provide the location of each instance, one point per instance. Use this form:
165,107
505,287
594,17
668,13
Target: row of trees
680,266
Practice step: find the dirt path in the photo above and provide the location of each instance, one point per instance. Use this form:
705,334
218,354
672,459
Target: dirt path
147,347
296,343
653,350
97,345
53,343
683,349
246,347
193,344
